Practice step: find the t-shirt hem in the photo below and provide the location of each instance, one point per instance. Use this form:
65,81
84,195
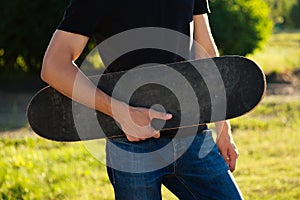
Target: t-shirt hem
70,30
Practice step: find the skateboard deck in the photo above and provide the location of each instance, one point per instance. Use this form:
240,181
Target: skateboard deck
195,92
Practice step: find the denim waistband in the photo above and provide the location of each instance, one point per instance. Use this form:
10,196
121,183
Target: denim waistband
186,131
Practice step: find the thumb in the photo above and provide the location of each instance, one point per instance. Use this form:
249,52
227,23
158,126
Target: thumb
159,115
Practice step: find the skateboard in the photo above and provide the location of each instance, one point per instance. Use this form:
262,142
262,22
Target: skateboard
195,92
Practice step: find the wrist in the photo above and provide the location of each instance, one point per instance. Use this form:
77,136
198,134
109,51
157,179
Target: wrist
223,126
108,105
117,108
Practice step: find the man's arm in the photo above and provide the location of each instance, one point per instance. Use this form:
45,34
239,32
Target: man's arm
60,71
204,48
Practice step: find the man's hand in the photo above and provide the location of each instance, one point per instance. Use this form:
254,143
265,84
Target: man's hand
136,121
226,144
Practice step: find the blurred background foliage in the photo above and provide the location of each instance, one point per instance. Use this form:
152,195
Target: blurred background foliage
25,30
239,27
281,13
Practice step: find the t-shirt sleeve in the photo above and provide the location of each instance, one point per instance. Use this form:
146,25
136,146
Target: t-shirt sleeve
81,17
201,7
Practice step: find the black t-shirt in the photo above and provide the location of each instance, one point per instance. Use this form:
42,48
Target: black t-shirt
107,18
103,19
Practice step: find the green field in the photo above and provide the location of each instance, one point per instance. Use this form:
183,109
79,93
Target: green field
281,52
268,140
268,167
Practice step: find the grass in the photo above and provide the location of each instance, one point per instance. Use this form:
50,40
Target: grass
268,167
33,168
280,54
268,140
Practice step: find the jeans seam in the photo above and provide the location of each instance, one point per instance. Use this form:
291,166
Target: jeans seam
185,185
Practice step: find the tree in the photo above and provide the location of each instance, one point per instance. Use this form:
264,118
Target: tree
295,15
25,30
26,27
280,12
240,26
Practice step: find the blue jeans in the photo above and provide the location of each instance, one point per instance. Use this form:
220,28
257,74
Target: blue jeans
191,168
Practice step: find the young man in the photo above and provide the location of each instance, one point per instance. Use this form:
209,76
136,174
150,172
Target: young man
188,177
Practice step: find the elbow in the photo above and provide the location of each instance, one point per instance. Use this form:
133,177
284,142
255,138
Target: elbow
44,71
47,71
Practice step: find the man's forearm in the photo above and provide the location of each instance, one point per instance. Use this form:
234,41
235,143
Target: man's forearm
61,72
205,45
223,127
74,84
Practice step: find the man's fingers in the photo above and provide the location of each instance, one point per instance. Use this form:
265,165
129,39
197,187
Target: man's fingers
132,139
157,135
139,127
225,156
159,115
148,133
233,156
232,165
